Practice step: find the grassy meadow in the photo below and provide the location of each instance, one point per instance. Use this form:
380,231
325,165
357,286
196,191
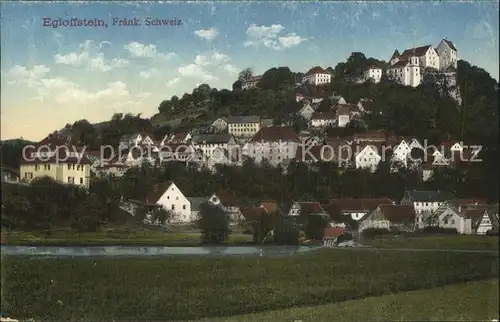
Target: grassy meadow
179,288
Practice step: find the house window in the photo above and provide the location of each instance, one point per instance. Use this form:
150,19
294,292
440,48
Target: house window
48,166
184,207
173,207
453,221
71,180
81,180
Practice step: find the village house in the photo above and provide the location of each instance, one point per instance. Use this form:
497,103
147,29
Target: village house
306,208
317,76
323,119
229,204
448,56
427,56
368,156
114,169
169,197
365,105
337,100
243,126
55,158
373,73
176,152
343,115
207,143
176,138
390,217
250,82
275,144
425,202
269,207
406,71
222,156
404,151
306,111
220,125
355,209
463,216
135,140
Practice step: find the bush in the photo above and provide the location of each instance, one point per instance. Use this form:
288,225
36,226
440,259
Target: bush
315,227
439,230
372,232
492,232
214,224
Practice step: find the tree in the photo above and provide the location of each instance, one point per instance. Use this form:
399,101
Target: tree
213,223
315,226
245,74
161,216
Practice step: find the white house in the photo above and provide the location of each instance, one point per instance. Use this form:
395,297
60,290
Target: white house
276,144
134,140
222,156
306,208
373,73
171,198
176,152
448,56
367,156
451,215
176,138
306,111
486,219
337,100
343,115
322,119
220,124
425,202
317,76
389,216
229,204
243,126
406,72
356,209
364,105
207,143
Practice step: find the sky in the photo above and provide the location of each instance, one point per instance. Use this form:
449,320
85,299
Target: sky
54,76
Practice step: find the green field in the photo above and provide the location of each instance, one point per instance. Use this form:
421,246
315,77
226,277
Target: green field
193,288
465,242
472,301
135,237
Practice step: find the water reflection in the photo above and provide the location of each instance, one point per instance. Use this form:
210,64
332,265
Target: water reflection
114,251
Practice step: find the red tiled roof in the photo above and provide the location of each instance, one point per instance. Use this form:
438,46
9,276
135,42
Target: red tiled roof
269,207
333,232
157,192
417,51
400,63
398,213
227,199
352,205
316,70
274,134
311,207
323,115
252,213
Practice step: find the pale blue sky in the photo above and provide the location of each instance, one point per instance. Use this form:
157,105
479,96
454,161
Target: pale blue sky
54,76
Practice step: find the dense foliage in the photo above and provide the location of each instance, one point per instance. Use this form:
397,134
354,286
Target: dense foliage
214,224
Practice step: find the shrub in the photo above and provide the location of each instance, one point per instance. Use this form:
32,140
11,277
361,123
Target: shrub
492,232
214,224
372,232
315,227
439,230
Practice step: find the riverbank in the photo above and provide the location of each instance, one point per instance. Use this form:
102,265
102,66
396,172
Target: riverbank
144,237
150,289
